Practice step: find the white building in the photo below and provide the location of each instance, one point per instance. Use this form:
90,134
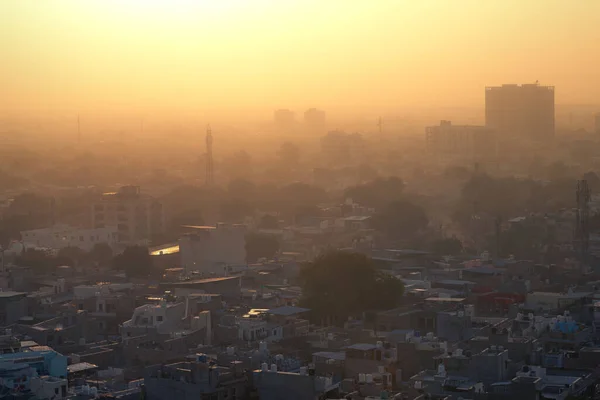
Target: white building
164,318
211,249
61,236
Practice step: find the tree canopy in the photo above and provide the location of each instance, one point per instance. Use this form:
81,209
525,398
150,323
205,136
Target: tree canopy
136,261
447,246
40,261
378,192
510,197
101,253
289,154
260,246
400,219
268,221
75,254
339,284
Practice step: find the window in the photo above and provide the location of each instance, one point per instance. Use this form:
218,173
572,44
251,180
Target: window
91,238
159,318
100,307
81,238
80,306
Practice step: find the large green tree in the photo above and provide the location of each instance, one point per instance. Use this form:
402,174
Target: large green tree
400,220
447,246
260,246
289,154
340,284
378,192
101,253
40,261
136,261
73,253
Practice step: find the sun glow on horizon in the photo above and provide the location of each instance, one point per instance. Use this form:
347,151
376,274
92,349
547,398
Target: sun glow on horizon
169,8
75,54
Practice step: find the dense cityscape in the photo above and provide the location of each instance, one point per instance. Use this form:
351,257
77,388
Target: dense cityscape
438,252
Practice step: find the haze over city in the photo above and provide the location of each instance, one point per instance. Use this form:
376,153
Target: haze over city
184,56
299,199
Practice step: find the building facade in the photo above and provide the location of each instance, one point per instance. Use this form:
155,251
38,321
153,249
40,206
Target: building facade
138,217
29,367
460,140
61,236
210,250
520,110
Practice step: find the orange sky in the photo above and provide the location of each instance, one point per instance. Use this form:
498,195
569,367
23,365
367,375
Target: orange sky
263,54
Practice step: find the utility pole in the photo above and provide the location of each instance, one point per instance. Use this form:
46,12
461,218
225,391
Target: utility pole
210,178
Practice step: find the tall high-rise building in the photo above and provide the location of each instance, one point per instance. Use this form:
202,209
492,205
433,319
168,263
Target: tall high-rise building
520,110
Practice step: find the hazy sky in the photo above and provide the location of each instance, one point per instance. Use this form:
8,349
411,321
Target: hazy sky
262,54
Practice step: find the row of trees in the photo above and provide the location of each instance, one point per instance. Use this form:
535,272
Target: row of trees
40,261
509,196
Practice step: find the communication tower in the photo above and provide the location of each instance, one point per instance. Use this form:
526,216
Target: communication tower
210,177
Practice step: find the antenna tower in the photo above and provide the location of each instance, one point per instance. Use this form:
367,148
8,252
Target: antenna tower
582,214
210,177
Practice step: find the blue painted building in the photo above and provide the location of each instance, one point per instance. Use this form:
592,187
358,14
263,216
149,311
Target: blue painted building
22,362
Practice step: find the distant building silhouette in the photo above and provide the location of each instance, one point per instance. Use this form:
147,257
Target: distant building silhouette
597,123
283,118
460,140
521,110
314,118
